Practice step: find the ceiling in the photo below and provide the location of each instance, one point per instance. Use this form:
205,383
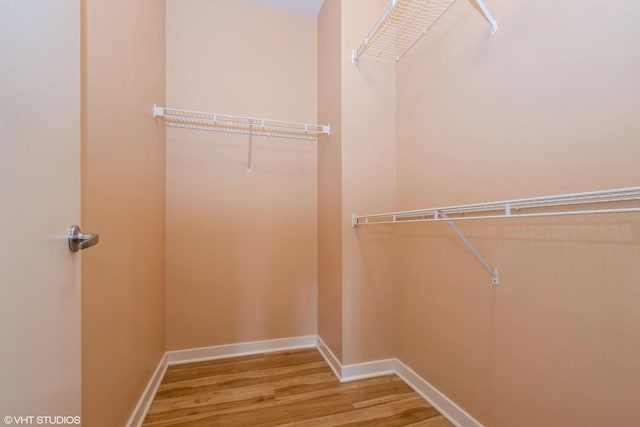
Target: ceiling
301,7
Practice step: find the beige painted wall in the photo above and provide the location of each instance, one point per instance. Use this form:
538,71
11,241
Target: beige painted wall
368,185
241,247
548,105
123,198
356,173
330,177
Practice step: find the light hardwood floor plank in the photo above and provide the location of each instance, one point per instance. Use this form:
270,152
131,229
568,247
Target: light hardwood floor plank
292,388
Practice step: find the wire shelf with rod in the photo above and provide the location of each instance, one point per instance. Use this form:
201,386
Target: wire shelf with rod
614,201
559,205
238,124
403,23
251,126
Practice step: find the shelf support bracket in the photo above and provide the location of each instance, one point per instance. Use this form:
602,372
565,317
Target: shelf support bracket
494,272
250,145
157,111
487,14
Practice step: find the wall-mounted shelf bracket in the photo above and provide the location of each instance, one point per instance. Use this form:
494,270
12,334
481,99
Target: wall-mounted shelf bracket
615,201
492,271
487,14
403,23
250,146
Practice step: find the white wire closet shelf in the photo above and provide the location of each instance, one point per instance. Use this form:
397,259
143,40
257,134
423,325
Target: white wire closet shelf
589,203
403,23
238,124
571,204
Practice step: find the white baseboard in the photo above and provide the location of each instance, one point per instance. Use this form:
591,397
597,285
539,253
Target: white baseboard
140,411
344,373
360,371
240,349
435,397
378,368
330,358
356,371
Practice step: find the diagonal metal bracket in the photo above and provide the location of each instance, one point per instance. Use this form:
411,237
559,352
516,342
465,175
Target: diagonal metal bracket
250,145
494,272
488,15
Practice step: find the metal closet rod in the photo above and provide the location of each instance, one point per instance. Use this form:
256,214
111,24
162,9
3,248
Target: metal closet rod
508,209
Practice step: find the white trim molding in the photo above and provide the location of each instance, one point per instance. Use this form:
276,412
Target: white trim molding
356,371
141,409
240,349
377,368
435,397
330,358
360,371
344,373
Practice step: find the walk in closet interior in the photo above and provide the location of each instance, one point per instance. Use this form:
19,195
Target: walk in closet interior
398,182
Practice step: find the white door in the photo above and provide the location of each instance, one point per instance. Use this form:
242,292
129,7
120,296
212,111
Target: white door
39,200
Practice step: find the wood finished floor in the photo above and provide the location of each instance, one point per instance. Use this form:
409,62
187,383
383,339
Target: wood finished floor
290,388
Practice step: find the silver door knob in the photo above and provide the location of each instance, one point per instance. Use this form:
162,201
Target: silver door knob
79,241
